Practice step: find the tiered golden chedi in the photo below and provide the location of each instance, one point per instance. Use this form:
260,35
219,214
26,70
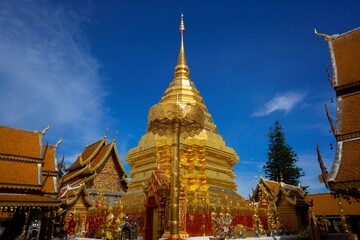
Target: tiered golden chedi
206,176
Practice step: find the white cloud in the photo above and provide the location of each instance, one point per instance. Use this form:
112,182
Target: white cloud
280,102
47,74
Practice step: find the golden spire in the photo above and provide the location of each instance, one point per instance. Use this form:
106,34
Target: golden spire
181,69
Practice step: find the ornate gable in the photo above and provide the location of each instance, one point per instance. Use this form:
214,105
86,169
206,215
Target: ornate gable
109,176
158,187
101,171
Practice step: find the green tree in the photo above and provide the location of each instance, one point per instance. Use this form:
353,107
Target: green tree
281,158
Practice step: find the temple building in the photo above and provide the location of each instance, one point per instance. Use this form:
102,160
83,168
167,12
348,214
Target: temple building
205,165
97,172
285,205
338,214
29,180
344,176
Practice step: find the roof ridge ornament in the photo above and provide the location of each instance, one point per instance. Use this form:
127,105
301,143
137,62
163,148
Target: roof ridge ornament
114,139
327,37
106,133
45,129
57,144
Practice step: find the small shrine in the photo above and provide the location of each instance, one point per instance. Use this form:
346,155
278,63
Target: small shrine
91,191
284,206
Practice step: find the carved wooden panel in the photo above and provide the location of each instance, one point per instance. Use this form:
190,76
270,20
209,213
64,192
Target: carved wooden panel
109,176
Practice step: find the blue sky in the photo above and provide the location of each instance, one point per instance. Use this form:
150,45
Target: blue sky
85,66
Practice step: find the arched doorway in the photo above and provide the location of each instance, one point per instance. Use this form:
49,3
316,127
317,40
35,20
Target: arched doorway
149,221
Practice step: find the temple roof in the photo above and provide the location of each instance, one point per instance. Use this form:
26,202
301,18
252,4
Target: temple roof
22,152
325,204
27,200
20,143
88,153
10,178
344,49
346,167
344,176
28,168
294,195
69,195
89,161
272,185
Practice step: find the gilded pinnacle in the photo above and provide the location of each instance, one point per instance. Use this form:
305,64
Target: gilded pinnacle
182,26
181,69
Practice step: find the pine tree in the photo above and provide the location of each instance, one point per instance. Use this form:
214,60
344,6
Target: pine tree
281,158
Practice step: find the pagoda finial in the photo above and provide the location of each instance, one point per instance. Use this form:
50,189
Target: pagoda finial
182,26
181,69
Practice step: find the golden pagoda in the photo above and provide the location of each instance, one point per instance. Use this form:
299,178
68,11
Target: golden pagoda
207,188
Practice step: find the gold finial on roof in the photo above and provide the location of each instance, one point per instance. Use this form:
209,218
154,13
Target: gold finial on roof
47,128
106,133
57,144
181,69
327,37
114,139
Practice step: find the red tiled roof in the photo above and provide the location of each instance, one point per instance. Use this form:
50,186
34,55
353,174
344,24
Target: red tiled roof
349,168
19,143
18,172
49,159
274,186
325,204
100,156
48,182
346,48
88,152
350,113
8,199
296,193
344,177
69,176
94,163
291,192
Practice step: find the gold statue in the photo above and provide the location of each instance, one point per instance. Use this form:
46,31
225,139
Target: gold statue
272,215
258,227
109,223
